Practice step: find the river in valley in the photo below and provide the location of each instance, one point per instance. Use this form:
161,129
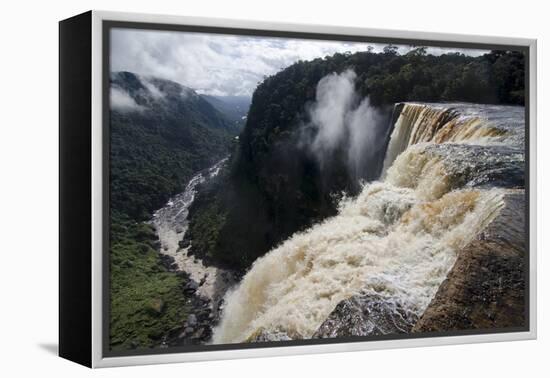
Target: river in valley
171,224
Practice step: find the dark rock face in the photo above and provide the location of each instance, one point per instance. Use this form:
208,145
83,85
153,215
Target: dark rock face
366,315
485,289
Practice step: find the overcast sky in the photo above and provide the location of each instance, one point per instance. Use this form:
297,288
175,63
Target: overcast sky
222,64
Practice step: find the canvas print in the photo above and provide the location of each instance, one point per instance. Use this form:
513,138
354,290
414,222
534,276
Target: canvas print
270,190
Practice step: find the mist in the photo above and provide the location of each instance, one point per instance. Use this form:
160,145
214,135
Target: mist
120,100
152,88
366,125
342,121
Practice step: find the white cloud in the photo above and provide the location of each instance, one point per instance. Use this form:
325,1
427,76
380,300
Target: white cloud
221,64
122,101
152,88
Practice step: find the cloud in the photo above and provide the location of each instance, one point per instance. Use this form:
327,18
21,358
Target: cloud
218,63
121,101
152,88
366,125
209,63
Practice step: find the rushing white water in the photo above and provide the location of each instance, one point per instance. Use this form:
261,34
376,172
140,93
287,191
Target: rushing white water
423,123
398,239
171,224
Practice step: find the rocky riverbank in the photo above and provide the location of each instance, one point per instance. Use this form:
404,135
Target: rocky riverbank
202,316
203,312
203,286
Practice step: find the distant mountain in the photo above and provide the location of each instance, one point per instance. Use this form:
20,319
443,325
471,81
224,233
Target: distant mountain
235,108
161,134
132,92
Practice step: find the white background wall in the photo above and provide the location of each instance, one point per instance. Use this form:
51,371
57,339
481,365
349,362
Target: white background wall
28,211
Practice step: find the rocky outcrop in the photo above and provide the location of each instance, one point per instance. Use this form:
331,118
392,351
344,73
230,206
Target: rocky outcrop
366,315
485,289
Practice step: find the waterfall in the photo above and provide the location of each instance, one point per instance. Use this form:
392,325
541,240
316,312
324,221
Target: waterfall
397,239
418,123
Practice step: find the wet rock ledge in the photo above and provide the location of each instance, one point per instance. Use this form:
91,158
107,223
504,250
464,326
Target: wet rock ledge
485,289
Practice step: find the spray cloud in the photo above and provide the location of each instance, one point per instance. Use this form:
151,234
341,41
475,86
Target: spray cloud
342,120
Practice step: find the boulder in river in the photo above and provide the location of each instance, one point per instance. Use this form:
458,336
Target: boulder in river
168,262
184,243
366,315
191,320
190,287
204,314
187,331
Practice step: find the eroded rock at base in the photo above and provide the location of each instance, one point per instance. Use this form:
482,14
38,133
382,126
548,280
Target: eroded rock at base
485,289
366,315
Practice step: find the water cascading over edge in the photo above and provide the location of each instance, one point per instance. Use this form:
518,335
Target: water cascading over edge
418,123
397,240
